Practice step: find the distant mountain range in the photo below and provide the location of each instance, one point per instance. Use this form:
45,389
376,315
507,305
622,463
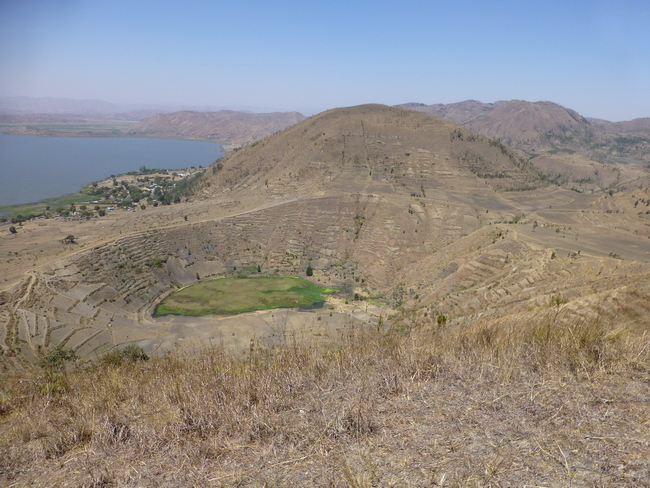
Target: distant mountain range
543,127
536,129
225,125
235,127
98,109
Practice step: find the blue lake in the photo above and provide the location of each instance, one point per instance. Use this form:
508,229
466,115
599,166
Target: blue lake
33,168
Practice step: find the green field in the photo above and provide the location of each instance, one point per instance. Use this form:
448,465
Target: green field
37,208
225,296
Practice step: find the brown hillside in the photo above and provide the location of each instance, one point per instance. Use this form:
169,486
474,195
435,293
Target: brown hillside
545,128
225,125
529,126
637,127
373,149
538,125
578,153
491,329
424,213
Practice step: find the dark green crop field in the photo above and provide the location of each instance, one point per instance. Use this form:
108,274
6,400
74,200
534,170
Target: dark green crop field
224,296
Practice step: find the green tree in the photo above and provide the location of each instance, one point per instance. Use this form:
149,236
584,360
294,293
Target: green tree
310,271
12,229
70,239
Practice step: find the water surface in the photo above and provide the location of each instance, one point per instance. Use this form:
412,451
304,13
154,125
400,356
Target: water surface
33,168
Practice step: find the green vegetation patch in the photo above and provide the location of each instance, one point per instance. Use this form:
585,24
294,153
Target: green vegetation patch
40,207
226,296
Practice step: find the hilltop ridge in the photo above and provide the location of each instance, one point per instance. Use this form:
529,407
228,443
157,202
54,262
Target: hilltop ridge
377,149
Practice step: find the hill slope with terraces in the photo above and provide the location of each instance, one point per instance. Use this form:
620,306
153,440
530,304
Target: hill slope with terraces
389,203
491,326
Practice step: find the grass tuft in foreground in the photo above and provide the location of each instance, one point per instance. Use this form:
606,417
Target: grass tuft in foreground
439,405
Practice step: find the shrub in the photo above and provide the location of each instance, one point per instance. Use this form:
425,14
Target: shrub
58,357
130,354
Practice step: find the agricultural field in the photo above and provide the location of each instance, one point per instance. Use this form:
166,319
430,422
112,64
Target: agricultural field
224,296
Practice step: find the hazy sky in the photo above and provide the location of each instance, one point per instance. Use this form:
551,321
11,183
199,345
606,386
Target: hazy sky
589,55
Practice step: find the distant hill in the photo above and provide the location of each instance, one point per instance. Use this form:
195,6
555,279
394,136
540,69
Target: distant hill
549,133
459,113
535,126
225,125
42,116
529,126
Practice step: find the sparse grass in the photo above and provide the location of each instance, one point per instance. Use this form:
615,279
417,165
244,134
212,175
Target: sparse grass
237,295
474,405
39,207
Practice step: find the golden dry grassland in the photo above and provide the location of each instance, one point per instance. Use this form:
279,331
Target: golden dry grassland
435,405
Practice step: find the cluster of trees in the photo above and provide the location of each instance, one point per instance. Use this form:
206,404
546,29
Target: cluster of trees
166,190
122,194
143,170
82,212
19,219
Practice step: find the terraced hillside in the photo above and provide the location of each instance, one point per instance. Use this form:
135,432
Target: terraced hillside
374,149
408,212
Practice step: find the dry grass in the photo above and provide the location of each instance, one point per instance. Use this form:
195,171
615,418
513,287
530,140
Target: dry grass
476,405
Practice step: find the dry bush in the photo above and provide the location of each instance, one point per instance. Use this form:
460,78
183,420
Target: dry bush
446,405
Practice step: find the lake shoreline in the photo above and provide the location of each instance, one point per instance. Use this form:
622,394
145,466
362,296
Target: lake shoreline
44,132
47,167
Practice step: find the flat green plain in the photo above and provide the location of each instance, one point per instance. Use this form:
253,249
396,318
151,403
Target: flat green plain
227,296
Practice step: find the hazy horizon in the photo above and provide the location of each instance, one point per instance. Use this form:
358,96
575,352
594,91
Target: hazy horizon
592,57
